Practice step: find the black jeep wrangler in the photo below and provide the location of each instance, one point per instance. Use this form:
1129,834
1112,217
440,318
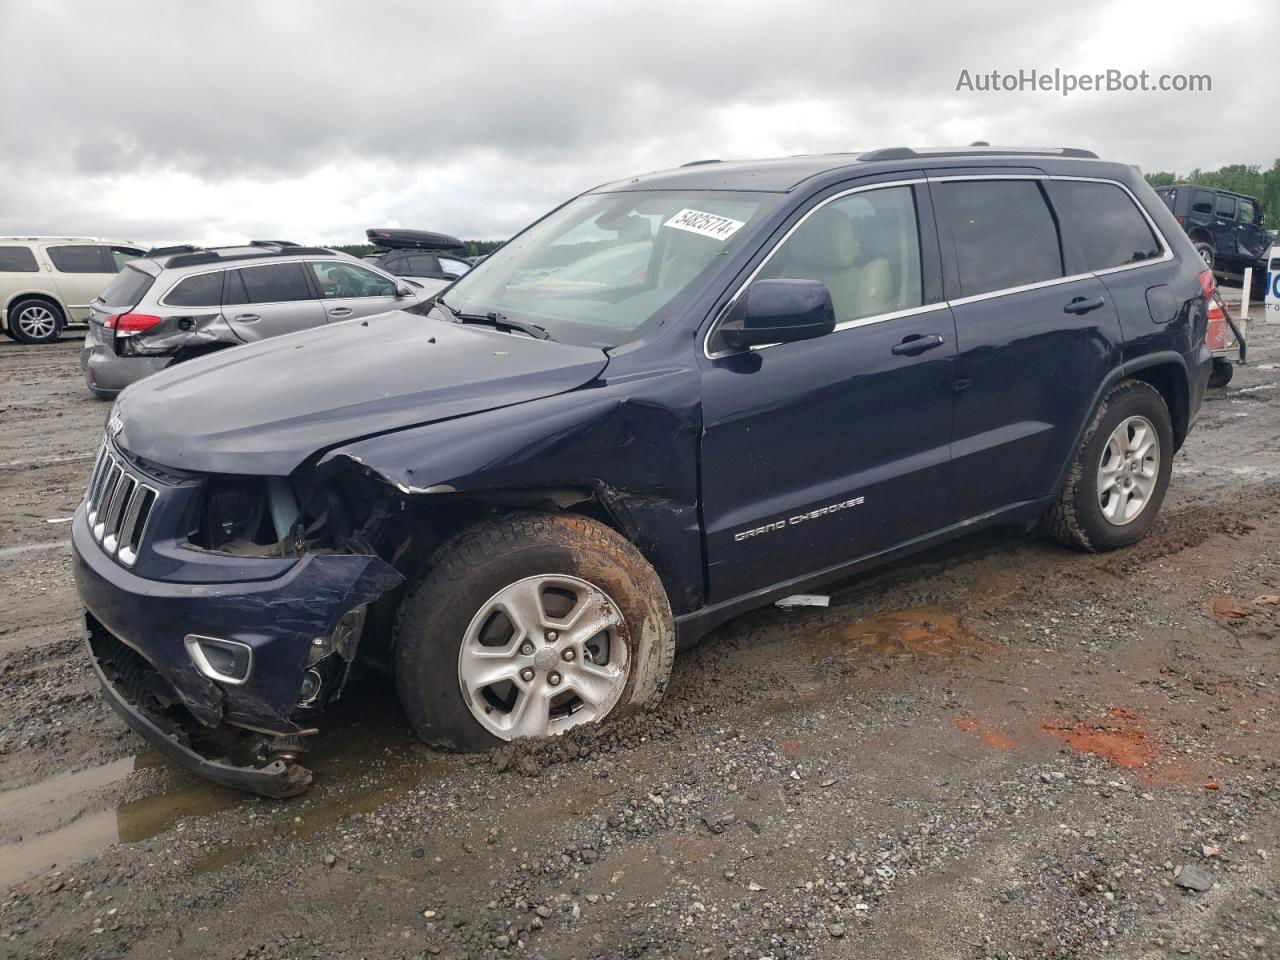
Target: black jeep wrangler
1225,227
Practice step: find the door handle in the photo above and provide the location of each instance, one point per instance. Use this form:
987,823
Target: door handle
1081,306
917,343
248,318
340,312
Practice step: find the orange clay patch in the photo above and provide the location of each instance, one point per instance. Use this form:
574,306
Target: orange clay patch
790,747
1120,740
993,738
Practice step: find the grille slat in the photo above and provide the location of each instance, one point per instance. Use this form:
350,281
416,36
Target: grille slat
118,505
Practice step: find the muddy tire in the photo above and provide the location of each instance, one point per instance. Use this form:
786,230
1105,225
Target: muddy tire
499,639
1118,480
1221,373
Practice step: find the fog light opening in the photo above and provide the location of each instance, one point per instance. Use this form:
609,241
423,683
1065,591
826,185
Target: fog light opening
226,661
311,684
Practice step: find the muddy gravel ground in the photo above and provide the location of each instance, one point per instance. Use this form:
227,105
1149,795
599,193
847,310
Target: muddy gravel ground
1001,749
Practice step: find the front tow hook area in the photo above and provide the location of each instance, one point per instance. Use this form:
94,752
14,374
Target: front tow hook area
278,778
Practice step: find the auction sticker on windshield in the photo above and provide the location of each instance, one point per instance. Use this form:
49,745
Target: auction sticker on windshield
707,224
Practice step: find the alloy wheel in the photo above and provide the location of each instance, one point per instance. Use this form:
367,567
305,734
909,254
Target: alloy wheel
542,655
1128,470
36,321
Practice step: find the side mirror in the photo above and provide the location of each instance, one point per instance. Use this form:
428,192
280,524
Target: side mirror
779,311
403,290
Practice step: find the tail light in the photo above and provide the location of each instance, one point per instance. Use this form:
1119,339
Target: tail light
127,324
1207,286
1182,221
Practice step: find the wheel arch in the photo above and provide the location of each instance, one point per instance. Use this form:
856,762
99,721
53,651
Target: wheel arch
43,295
1166,372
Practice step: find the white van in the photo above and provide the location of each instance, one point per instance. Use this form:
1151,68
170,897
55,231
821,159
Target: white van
47,283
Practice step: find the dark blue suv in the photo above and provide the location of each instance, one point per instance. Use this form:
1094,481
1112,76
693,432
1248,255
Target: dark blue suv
670,400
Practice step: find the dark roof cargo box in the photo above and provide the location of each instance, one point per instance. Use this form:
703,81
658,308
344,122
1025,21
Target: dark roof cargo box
393,239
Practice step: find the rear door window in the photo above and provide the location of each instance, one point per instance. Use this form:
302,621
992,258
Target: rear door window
201,290
1202,202
1108,229
275,283
1002,232
18,260
82,258
1227,207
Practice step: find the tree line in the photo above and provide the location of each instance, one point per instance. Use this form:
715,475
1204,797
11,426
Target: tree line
1250,180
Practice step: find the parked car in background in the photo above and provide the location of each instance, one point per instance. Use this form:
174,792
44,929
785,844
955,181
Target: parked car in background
1226,228
177,303
428,258
759,377
47,283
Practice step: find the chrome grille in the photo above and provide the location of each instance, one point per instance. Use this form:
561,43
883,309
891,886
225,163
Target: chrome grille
118,506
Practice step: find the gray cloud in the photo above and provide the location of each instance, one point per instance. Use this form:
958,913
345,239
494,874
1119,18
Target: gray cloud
169,121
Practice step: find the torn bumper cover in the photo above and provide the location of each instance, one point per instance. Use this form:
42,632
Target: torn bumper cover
137,635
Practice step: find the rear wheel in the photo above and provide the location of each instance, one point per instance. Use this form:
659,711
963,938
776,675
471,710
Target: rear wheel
528,625
1115,486
35,321
1221,373
1205,250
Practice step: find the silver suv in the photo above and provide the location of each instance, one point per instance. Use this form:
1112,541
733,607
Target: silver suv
181,302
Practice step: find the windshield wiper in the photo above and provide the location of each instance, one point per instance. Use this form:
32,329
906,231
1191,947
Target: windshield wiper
498,321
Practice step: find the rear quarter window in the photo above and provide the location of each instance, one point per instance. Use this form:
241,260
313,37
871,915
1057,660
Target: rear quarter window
127,289
201,290
82,258
18,260
1108,228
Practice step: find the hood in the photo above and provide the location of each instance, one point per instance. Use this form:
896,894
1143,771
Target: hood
266,407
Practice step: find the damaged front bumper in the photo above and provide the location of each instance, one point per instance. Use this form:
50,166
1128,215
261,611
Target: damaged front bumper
138,635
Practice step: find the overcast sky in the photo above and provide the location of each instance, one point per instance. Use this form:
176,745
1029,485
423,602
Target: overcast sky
218,122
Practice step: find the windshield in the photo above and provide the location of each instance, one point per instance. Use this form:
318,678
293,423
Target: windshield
598,271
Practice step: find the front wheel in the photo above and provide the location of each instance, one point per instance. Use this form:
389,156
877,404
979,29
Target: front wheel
1120,474
528,625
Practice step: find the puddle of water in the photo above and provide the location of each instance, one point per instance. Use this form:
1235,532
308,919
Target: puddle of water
368,757
922,632
61,826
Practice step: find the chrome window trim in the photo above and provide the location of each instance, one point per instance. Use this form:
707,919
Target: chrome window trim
861,321
959,301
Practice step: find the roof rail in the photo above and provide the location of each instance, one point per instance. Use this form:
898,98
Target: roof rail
272,243
212,256
698,163
168,251
976,150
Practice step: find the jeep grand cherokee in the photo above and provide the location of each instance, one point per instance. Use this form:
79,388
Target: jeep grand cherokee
522,495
